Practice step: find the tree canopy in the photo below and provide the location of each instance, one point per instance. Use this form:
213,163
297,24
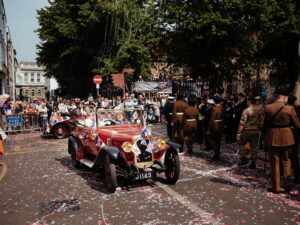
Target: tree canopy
81,38
233,36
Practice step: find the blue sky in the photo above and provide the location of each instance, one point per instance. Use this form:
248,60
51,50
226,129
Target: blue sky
21,19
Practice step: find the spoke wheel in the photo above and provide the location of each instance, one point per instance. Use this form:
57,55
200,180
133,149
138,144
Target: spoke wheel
110,174
172,167
60,131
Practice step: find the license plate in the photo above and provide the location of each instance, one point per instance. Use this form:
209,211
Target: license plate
143,176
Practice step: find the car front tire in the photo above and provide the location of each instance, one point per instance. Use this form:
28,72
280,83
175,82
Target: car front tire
110,174
172,166
74,160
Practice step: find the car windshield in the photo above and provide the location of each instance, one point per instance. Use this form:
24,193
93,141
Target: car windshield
117,117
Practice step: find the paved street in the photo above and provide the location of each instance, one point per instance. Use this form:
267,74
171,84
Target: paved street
40,186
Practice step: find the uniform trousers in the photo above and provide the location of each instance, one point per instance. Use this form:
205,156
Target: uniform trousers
189,133
251,137
214,140
178,131
280,155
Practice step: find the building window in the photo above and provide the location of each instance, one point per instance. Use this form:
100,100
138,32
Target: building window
38,79
1,87
32,77
26,77
26,93
32,93
39,94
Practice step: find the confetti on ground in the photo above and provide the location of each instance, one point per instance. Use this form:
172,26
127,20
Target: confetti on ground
42,187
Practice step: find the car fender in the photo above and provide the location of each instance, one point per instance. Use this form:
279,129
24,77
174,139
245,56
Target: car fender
176,148
114,153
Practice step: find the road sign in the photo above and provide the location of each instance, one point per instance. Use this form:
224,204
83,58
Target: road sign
97,79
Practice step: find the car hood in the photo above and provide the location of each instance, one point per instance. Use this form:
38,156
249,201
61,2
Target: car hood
123,133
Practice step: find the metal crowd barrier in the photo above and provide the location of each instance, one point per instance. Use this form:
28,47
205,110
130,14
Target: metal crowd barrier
21,123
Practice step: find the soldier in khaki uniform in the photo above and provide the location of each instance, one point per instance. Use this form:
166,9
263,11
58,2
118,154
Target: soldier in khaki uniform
248,131
278,118
216,127
178,109
189,124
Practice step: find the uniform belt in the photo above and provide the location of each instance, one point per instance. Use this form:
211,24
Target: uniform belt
179,113
190,120
218,120
170,113
278,126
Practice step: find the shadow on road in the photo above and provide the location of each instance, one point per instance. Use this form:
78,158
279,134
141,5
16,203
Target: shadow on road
96,180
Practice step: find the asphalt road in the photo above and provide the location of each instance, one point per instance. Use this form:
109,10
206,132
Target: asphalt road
40,186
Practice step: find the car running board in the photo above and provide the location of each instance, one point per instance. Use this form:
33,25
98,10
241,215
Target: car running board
87,162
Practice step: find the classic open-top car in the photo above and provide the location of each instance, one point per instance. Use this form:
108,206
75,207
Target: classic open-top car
122,145
61,126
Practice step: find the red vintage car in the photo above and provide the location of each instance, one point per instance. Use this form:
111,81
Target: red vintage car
61,126
123,146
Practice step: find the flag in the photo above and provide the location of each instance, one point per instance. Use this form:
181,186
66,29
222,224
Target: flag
150,147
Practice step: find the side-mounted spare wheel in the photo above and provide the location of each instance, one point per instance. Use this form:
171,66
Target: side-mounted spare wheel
172,166
110,174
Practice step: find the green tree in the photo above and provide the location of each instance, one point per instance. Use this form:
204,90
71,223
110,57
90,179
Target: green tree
233,36
81,38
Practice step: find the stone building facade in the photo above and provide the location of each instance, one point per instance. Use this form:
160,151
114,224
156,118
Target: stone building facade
31,82
12,65
3,51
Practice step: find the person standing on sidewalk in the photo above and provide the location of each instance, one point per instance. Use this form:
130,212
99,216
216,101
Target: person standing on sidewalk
277,120
248,131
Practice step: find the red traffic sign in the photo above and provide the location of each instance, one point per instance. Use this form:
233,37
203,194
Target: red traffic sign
97,79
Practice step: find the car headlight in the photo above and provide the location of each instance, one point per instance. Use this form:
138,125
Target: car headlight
127,147
161,144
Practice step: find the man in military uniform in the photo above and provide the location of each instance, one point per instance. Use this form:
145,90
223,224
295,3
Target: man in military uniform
278,118
248,131
189,124
178,109
168,111
216,127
